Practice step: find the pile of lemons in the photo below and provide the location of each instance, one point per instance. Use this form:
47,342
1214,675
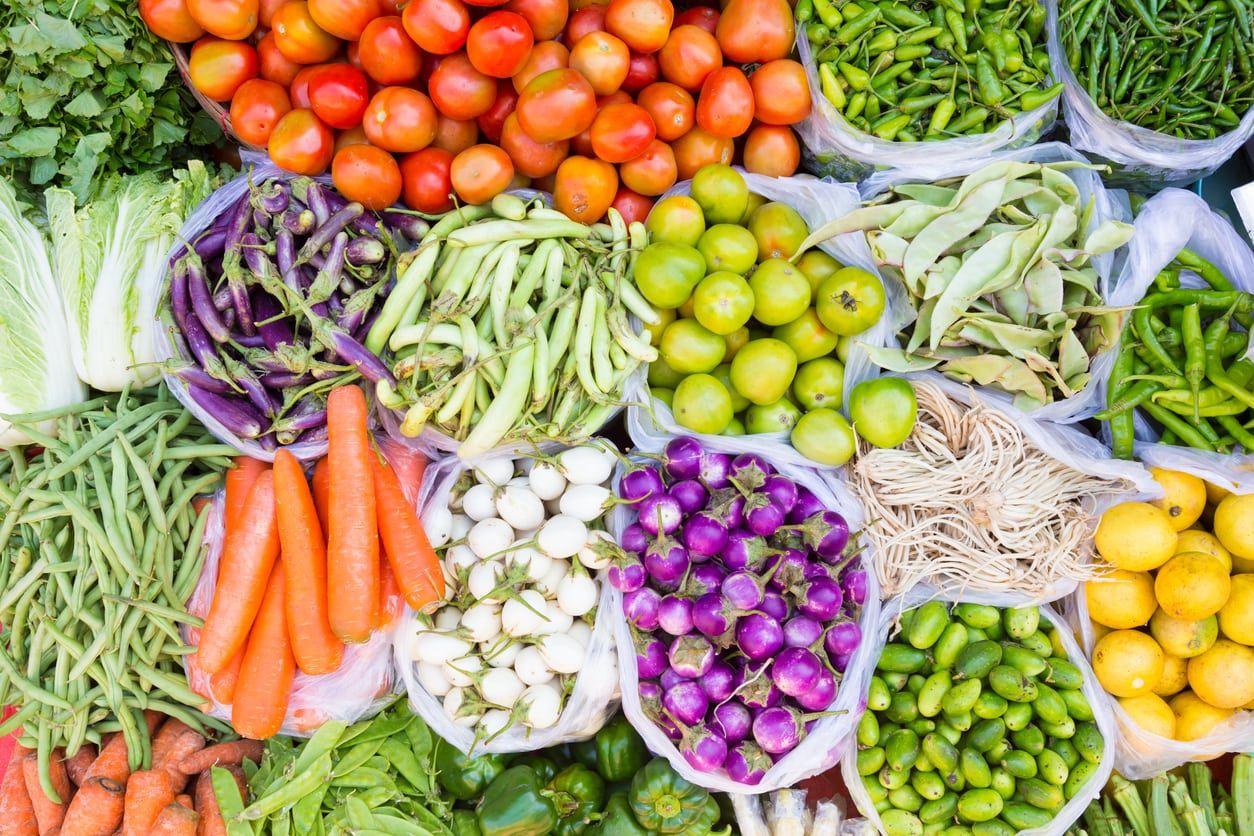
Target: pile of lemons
1174,610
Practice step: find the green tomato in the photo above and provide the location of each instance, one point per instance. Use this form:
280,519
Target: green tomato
779,230
780,292
818,266
807,337
665,316
721,193
734,427
702,404
722,302
755,200
843,348
723,373
676,220
778,417
884,410
727,247
824,436
662,375
666,273
735,341
763,370
689,348
666,396
820,383
850,301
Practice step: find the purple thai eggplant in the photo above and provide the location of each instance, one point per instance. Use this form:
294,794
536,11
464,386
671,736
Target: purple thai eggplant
732,720
776,606
819,598
778,730
782,491
237,415
704,748
747,764
802,631
746,550
759,636
660,514
704,577
640,483
820,697
640,607
827,533
720,681
807,505
627,574
685,702
690,494
682,457
691,656
715,470
674,615
743,590
704,536
666,561
795,670
842,638
634,539
650,657
713,616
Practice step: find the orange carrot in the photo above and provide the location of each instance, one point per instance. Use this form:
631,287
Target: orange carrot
409,464
222,754
185,800
77,766
239,481
17,814
321,484
175,820
353,538
315,647
414,561
113,762
96,809
147,794
48,813
171,730
391,604
222,683
211,823
265,677
184,744
248,556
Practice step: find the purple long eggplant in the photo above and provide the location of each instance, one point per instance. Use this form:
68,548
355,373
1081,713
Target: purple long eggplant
272,323
365,251
273,198
202,301
252,387
325,233
361,221
194,375
285,380
315,197
285,254
407,224
180,303
299,222
328,278
310,412
236,414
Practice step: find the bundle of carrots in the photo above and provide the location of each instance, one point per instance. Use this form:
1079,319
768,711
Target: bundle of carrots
307,569
96,794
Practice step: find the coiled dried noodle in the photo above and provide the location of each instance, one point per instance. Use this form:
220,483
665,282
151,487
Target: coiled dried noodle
969,502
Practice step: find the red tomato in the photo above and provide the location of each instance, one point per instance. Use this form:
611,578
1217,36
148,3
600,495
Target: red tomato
217,68
556,105
531,158
481,173
438,26
643,24
651,173
689,55
455,136
486,4
581,143
725,106
367,175
672,108
388,54
547,18
704,16
622,132
400,119
266,10
584,188
490,122
256,108
459,90
755,31
581,23
353,136
233,20
499,43
352,54
345,19
170,19
299,38
545,56
772,150
633,207
425,180
338,94
391,7
603,59
781,94
642,71
699,148
299,90
274,66
300,143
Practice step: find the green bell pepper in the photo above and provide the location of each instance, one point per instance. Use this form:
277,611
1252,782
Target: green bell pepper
710,814
465,778
514,805
585,752
619,820
465,823
578,794
663,800
544,766
620,751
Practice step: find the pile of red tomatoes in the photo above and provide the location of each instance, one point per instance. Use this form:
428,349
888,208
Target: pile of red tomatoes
421,100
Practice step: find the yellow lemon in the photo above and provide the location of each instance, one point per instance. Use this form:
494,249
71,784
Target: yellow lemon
1195,717
1135,536
1234,524
1121,599
1151,713
1215,494
1185,496
1236,617
1185,639
1175,676
1099,630
1224,675
1193,540
1128,663
1192,586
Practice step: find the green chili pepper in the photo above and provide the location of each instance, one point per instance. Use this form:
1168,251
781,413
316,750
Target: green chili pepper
804,10
858,79
899,14
1149,339
1122,422
991,89
831,87
1238,432
851,30
1033,99
513,805
1183,431
1194,351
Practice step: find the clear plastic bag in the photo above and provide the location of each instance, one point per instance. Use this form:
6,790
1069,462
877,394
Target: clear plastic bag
1142,159
650,422
1103,715
590,703
361,687
834,148
829,737
1106,206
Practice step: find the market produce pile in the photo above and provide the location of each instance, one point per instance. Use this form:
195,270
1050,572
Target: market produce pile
1187,800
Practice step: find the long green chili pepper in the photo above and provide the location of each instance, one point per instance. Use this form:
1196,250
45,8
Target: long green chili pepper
1149,339
1122,423
1194,351
1183,430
